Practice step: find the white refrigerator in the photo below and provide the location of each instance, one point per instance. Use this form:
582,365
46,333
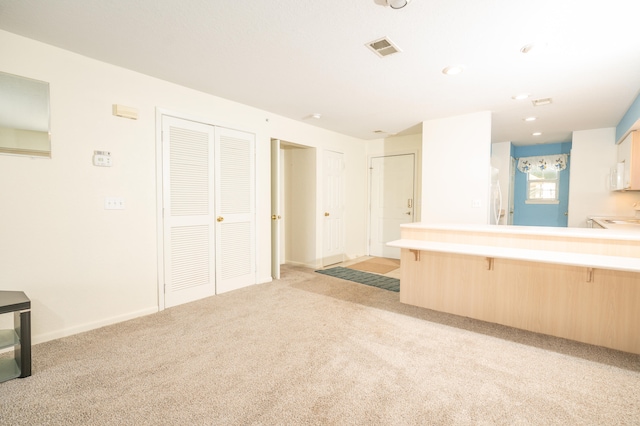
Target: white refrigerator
495,197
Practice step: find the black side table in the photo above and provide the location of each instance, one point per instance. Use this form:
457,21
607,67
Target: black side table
19,337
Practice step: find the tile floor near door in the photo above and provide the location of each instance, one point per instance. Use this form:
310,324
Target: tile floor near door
394,273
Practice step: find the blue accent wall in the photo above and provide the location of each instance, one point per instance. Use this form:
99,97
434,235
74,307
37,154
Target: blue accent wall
630,117
540,214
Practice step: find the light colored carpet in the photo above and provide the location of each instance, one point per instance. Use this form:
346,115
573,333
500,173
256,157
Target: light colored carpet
313,349
377,265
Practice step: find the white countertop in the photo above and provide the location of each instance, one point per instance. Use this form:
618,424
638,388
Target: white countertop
620,232
618,263
625,227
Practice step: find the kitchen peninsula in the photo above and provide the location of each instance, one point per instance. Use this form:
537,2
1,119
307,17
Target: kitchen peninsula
576,283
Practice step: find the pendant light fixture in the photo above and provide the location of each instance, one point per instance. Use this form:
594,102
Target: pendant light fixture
397,4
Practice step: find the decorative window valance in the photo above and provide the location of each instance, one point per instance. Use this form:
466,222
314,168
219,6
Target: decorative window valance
542,163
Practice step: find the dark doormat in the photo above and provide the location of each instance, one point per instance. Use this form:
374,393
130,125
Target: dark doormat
386,283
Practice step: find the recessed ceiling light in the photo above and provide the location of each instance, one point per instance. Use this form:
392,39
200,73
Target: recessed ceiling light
536,133
530,119
452,70
397,4
520,96
316,115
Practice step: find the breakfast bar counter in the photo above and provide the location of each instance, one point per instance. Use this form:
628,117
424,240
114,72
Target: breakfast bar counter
576,283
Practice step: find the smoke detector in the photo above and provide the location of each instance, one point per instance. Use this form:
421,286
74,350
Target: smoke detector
383,47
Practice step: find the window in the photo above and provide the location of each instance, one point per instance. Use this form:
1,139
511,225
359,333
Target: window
543,177
542,186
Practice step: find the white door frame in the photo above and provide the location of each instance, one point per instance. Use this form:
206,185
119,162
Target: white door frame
512,180
416,186
276,213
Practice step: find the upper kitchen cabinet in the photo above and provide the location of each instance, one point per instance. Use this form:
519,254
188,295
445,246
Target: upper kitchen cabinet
629,154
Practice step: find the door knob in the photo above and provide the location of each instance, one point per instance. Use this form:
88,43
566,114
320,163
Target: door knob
275,216
326,213
408,213
220,219
566,213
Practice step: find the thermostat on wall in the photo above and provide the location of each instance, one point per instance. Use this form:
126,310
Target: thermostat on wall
102,158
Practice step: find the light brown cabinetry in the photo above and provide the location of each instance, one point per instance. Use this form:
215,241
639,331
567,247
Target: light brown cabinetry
580,284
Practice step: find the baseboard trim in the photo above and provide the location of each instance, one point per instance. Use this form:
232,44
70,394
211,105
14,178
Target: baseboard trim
264,280
332,260
306,265
58,334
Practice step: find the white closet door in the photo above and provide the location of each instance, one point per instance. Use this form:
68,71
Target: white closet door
235,209
333,194
187,155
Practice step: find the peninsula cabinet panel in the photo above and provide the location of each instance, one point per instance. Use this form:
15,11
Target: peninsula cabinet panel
599,307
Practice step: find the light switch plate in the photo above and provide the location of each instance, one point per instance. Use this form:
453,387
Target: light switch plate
114,203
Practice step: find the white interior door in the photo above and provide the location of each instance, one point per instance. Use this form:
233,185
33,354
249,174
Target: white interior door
333,224
392,201
188,211
275,208
235,209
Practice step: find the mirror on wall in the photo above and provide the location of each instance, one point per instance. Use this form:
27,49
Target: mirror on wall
24,116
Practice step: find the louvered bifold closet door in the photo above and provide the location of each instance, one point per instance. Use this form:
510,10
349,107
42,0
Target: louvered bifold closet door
235,209
188,209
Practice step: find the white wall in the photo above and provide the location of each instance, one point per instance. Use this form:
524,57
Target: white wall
455,168
300,206
83,266
501,159
593,153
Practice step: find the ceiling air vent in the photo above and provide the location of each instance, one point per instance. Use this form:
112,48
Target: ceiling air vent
383,47
540,102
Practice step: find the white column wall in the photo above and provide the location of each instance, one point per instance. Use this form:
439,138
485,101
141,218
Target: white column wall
456,168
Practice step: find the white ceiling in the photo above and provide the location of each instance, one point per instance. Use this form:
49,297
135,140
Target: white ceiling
299,57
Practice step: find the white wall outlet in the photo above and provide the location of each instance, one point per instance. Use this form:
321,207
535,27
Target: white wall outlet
476,204
114,203
102,158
